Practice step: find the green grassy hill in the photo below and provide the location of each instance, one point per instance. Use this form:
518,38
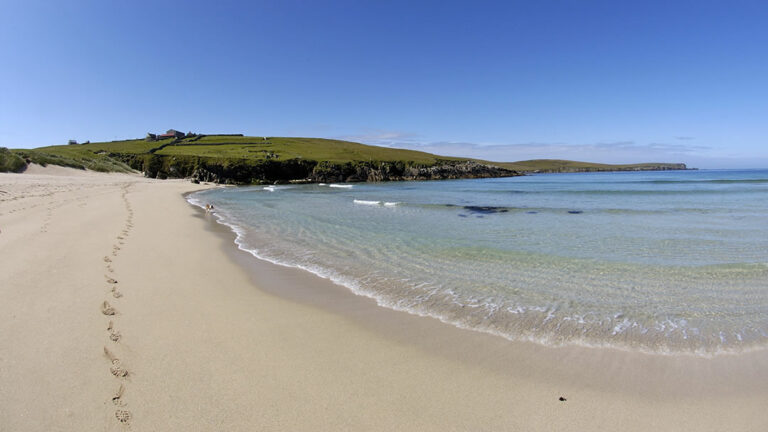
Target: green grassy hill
558,165
318,149
241,159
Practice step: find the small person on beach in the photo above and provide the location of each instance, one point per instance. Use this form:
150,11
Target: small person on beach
209,207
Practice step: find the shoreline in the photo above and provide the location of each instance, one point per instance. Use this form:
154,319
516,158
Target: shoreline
215,340
255,247
429,333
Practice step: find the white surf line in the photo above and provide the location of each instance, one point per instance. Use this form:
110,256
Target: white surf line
376,203
365,202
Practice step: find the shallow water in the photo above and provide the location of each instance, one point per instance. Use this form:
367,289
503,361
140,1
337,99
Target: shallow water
659,261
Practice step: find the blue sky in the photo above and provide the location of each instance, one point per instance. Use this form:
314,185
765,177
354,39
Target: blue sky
608,81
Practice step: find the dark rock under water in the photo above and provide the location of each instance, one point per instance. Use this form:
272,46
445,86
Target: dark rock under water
486,209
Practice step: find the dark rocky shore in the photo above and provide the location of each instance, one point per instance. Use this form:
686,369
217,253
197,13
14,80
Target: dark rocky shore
306,171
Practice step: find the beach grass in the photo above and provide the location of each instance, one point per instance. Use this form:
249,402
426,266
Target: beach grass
10,161
72,157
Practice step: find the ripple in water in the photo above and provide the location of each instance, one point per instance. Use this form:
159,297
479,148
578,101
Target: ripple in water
671,262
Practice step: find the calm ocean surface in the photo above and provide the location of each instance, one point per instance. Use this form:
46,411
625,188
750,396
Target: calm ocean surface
673,262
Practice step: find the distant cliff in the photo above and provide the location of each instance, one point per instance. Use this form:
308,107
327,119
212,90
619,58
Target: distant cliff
568,166
648,167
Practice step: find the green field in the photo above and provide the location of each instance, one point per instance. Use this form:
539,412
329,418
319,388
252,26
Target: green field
317,149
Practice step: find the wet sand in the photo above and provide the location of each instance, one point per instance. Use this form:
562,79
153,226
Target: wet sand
206,337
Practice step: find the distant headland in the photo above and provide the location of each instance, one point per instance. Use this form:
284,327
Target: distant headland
238,159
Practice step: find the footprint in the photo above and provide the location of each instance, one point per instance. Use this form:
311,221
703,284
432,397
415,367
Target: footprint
112,358
107,309
116,399
123,416
110,280
114,335
107,259
116,293
116,369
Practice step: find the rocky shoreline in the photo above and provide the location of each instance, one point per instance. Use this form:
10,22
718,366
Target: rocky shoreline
306,171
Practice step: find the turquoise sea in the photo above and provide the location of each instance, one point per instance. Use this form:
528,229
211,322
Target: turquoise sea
666,262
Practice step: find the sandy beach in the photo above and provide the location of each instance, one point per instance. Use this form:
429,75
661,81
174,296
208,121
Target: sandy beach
123,307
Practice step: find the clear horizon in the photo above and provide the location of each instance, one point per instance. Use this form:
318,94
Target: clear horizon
599,81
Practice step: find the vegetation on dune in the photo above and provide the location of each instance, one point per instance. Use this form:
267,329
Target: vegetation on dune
11,162
73,157
241,159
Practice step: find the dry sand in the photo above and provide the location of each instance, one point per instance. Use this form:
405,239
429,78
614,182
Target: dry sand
213,340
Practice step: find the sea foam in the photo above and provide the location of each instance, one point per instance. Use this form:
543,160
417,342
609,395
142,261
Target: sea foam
365,202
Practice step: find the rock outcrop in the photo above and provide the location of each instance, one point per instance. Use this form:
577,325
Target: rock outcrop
229,171
398,171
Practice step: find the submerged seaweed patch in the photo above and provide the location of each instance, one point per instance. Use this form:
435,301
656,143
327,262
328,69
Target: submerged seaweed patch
486,209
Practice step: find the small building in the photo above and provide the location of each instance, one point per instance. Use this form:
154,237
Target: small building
72,142
171,133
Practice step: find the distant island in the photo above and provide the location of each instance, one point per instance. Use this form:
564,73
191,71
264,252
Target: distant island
238,159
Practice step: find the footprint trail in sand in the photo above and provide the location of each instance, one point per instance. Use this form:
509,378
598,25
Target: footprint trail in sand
116,368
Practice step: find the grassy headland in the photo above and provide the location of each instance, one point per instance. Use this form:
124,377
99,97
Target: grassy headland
242,160
568,166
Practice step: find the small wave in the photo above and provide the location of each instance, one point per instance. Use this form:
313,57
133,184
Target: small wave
377,203
276,188
364,202
344,186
